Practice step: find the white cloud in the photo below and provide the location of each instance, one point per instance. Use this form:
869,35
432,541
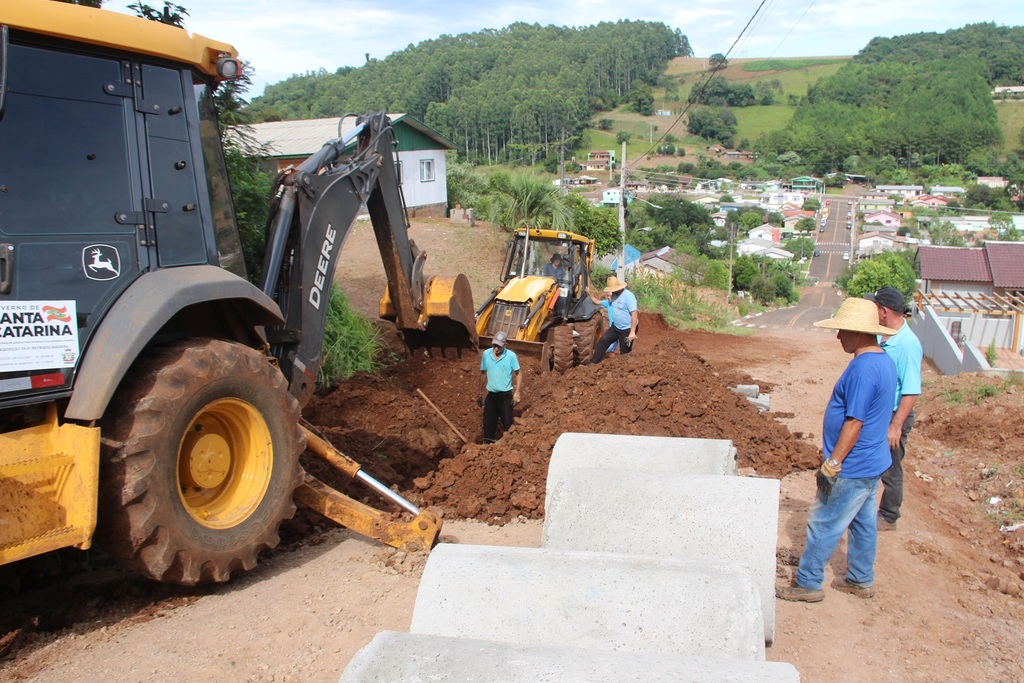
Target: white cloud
284,38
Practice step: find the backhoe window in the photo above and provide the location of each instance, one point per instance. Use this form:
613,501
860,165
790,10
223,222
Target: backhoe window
225,227
540,259
59,183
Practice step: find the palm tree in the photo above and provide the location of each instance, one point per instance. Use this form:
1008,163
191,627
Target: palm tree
520,199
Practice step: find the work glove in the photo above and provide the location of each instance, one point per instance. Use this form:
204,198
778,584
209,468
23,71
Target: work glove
831,469
515,399
480,401
825,483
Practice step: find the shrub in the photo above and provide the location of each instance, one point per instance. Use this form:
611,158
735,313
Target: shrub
352,343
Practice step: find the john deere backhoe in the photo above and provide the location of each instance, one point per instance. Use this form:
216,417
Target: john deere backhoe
149,393
545,311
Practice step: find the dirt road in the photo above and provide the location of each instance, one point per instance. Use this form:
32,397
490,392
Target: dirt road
948,606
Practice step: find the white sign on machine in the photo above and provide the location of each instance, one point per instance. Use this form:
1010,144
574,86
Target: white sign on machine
38,335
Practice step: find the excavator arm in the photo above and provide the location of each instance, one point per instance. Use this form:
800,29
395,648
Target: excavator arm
315,206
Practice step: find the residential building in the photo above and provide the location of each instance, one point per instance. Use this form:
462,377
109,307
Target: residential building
663,261
995,182
766,232
874,242
865,204
762,247
807,184
931,201
947,191
422,166
886,218
907,192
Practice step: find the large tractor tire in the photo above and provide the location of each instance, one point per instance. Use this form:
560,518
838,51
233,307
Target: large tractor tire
589,332
199,463
560,340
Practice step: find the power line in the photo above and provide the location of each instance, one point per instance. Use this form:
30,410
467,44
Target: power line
711,75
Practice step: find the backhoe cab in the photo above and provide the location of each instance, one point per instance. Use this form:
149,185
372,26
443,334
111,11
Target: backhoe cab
545,310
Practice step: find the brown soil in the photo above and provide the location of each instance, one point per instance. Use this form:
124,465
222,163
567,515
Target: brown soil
949,604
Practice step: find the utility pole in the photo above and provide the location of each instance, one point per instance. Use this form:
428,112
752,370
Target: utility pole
853,228
561,163
622,215
728,235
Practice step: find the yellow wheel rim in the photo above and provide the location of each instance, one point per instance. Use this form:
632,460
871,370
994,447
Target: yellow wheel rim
225,461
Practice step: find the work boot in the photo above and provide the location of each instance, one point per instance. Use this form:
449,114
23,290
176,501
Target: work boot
885,525
797,593
841,584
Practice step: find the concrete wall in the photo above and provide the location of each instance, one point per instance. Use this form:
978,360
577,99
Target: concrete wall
942,349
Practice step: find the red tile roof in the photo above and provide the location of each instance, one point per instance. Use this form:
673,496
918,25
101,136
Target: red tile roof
1006,261
954,264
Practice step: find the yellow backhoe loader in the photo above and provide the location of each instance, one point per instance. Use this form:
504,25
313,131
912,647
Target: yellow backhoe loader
542,302
150,395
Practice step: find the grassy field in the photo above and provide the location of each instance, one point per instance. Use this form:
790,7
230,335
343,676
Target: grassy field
1011,118
752,122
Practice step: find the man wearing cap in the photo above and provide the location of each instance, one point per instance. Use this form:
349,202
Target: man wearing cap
624,316
905,350
499,368
856,450
554,269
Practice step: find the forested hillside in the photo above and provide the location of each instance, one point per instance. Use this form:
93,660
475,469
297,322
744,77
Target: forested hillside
918,99
1001,47
500,95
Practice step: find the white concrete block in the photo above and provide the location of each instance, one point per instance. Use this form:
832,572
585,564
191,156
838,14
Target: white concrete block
629,603
649,453
418,658
732,520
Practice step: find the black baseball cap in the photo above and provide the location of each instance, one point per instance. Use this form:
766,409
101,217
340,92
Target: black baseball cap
890,298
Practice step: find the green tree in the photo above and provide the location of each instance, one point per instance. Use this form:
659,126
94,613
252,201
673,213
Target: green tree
600,224
718,61
643,99
886,270
801,247
805,225
518,199
171,14
622,136
465,184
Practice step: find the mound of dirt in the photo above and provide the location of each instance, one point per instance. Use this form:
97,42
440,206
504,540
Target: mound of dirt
661,389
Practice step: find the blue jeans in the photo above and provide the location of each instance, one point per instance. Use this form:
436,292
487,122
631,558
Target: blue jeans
850,505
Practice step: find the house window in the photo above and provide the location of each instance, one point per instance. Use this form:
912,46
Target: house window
426,170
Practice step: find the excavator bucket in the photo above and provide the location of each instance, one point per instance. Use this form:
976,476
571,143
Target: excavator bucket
446,320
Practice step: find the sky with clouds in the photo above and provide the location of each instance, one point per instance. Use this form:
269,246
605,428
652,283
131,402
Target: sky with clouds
284,37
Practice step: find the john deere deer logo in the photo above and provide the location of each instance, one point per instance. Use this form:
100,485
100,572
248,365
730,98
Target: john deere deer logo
101,262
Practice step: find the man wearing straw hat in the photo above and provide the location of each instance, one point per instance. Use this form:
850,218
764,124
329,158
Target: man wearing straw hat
624,319
856,449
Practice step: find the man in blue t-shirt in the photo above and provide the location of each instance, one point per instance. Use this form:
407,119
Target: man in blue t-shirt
499,369
624,317
905,350
856,450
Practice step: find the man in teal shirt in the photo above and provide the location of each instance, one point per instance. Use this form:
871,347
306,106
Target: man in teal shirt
499,369
905,350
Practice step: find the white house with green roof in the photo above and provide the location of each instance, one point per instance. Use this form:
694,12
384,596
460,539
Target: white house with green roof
421,154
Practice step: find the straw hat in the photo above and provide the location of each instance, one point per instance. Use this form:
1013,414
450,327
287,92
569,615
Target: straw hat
614,285
856,315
